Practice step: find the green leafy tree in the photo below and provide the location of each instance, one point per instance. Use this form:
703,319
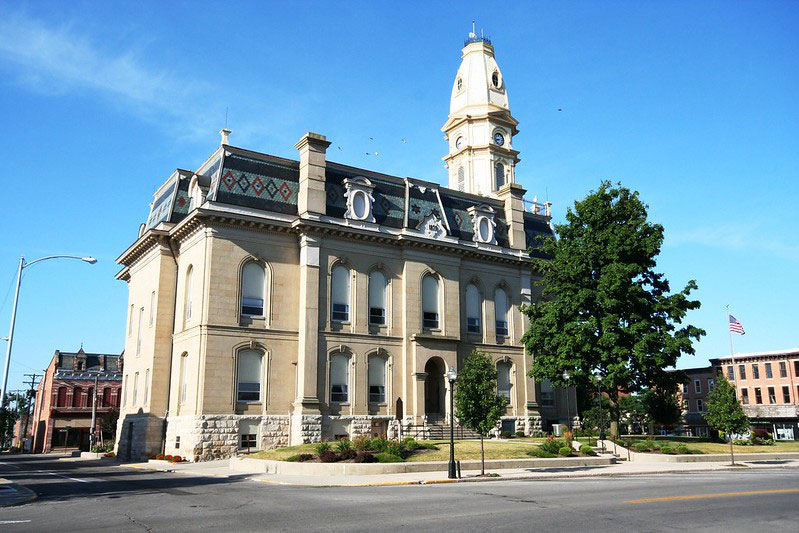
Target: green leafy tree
477,404
632,412
604,309
724,413
661,407
9,414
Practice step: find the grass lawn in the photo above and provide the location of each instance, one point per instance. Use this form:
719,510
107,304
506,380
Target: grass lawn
464,450
718,447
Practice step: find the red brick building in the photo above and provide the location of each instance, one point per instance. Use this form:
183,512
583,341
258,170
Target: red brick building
63,411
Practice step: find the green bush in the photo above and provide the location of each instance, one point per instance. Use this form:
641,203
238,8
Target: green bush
365,457
682,449
343,445
520,434
655,445
346,455
410,444
378,444
395,447
565,451
329,456
322,447
541,454
641,447
587,450
362,443
552,445
384,457
103,448
506,435
300,458
666,449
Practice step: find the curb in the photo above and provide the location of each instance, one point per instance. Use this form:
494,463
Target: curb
30,496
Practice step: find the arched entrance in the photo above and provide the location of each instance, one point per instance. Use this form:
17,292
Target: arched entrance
434,389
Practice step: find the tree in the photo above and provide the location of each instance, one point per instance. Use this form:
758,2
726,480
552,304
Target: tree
724,413
633,412
662,407
477,404
9,414
604,309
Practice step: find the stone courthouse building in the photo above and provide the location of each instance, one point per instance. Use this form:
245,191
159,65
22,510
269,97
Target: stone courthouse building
276,301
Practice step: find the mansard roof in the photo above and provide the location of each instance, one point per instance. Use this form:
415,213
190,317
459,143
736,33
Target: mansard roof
245,178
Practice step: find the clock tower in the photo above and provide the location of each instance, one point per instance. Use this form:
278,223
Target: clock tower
480,128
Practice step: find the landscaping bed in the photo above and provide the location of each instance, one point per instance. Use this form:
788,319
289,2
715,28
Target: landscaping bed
700,447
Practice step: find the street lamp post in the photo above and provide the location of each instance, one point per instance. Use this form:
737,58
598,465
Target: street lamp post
452,376
93,430
566,377
22,265
601,419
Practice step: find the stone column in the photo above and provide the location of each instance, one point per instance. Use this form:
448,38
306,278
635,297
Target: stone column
419,379
513,196
306,420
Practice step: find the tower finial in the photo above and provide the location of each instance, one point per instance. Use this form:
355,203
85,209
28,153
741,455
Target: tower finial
225,134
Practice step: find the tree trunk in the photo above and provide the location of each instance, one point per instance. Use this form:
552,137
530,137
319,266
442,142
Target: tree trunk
482,457
732,453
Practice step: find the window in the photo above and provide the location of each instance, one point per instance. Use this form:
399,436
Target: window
152,307
685,388
460,84
253,289
495,79
783,369
768,371
146,384
130,320
249,376
461,179
77,392
730,373
138,333
135,388
430,302
339,378
501,311
786,394
499,176
686,405
772,397
796,368
742,371
745,396
474,315
248,434
184,368
758,395
697,386
377,298
107,397
755,372
377,379
124,390
503,380
177,442
710,384
700,405
248,440
340,294
547,396
187,312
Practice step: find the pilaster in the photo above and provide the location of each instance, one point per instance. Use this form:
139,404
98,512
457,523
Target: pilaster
312,198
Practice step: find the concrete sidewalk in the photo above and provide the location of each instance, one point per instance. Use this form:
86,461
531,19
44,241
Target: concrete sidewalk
222,469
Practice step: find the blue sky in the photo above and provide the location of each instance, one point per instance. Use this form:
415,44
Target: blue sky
694,104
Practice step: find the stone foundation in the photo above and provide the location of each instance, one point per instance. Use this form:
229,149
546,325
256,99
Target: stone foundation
139,436
533,426
208,437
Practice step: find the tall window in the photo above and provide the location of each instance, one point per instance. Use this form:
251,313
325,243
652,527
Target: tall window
130,320
783,369
755,372
107,397
501,311
152,307
742,371
758,395
124,390
499,175
745,396
189,275
547,394
474,315
461,179
184,368
377,379
700,405
710,384
730,374
430,302
77,400
253,289
135,388
249,376
339,378
340,294
138,333
503,380
772,397
377,298
697,386
146,385
62,397
786,394
768,371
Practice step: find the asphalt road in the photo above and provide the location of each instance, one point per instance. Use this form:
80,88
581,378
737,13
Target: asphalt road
89,496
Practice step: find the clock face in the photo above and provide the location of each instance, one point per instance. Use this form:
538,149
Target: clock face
459,143
499,139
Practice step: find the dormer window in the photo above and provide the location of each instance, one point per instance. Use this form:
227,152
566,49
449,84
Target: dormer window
483,224
495,79
359,199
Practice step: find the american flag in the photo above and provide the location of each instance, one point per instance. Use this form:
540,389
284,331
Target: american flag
736,326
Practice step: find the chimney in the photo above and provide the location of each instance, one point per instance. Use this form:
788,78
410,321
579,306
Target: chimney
312,197
513,196
225,133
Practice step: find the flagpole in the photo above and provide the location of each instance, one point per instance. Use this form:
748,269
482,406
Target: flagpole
732,352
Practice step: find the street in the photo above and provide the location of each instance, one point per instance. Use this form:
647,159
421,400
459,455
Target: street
87,495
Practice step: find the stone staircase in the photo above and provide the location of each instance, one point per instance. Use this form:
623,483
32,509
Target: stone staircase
440,431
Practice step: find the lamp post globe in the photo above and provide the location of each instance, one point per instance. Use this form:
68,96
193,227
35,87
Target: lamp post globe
452,377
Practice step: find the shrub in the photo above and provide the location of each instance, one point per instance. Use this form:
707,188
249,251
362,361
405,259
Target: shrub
742,442
343,445
506,435
378,444
587,450
328,456
552,445
361,443
293,458
568,436
425,446
682,449
300,458
160,456
520,434
365,457
348,454
655,445
177,459
102,448
410,444
666,449
541,454
168,457
565,451
395,447
641,447
388,458
322,447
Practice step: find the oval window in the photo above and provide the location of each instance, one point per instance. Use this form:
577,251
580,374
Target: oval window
485,229
359,205
495,79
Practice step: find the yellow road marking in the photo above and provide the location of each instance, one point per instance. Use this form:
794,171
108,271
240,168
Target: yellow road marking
719,495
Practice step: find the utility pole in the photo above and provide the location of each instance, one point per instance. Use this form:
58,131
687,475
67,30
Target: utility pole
93,430
31,393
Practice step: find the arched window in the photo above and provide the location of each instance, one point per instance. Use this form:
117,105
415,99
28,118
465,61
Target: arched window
62,397
474,315
253,289
339,378
90,397
503,380
340,294
499,175
248,376
501,311
107,397
77,392
430,302
189,275
184,368
377,379
377,298
461,179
